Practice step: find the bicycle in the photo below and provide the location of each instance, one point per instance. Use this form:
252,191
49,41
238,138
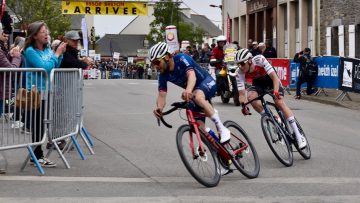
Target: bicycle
203,155
278,133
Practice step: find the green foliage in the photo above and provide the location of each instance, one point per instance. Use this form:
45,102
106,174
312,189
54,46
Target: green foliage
166,12
192,34
28,11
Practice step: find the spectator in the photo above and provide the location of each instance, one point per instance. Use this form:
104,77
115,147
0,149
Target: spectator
305,60
255,51
140,71
270,51
236,43
250,44
261,48
71,59
39,55
8,59
195,54
206,54
149,72
212,46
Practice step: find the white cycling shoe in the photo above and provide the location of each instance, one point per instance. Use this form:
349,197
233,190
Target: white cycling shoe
302,142
224,135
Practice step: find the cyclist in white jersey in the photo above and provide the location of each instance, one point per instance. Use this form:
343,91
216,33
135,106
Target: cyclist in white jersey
263,77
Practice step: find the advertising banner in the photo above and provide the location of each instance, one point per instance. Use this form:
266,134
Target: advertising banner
84,34
282,67
328,74
349,75
105,8
171,38
294,68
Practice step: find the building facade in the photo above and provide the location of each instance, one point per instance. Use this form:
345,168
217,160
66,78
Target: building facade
328,27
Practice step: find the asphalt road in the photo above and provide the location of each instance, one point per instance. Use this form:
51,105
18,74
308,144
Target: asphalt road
137,161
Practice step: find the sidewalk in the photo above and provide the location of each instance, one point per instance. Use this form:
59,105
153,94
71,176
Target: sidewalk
328,96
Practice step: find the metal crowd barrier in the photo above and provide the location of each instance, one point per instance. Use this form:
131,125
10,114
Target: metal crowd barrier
24,101
36,107
65,117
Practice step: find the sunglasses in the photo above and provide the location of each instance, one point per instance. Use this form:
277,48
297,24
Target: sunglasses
243,63
157,61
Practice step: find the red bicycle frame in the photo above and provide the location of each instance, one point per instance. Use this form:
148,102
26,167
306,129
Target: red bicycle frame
219,148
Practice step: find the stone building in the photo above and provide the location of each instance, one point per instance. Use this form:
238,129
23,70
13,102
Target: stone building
328,27
340,27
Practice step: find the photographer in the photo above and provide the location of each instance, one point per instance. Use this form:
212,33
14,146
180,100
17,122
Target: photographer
307,72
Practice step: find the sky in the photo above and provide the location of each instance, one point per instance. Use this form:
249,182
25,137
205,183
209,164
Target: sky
114,24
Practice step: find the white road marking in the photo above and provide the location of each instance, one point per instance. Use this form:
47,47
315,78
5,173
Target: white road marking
194,199
133,83
299,180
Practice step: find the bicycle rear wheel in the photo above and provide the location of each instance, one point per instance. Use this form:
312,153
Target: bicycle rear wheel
247,162
304,152
203,166
277,141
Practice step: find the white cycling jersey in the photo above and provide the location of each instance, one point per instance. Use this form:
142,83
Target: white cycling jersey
262,69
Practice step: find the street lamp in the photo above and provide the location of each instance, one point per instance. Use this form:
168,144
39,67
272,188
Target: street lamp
219,6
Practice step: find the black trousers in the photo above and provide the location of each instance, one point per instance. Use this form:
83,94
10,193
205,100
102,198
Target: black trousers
309,88
35,122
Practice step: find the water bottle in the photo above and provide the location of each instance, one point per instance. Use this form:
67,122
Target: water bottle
212,133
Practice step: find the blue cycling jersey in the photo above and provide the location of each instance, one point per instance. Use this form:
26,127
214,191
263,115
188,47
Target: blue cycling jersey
183,63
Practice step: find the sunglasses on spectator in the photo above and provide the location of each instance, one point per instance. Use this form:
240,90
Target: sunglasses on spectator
157,61
243,63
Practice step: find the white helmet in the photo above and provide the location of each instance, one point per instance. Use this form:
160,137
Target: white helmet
158,50
221,38
243,55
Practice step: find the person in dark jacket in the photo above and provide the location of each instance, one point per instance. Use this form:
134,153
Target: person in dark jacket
71,55
270,51
304,58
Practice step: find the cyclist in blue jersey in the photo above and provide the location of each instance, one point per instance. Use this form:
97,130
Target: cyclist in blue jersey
182,71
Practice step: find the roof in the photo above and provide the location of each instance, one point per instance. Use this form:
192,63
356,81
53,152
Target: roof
203,22
126,45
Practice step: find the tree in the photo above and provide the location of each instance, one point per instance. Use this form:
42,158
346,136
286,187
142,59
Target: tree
166,12
28,11
190,33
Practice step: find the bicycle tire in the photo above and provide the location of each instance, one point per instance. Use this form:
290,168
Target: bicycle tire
210,179
280,140
305,152
248,162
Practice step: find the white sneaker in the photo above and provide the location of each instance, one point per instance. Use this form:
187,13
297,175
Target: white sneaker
223,171
17,124
302,142
224,135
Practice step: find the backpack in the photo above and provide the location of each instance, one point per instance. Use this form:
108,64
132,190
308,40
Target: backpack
311,69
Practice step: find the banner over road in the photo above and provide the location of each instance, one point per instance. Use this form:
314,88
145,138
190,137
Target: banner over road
105,8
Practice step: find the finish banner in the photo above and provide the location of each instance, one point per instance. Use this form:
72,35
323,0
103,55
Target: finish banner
105,8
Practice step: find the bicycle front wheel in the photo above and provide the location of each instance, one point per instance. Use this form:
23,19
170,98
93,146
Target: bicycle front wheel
202,164
277,141
246,160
